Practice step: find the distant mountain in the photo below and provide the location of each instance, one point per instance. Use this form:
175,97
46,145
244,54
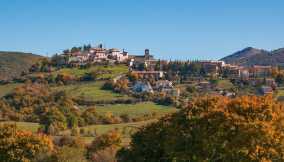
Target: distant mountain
12,64
252,56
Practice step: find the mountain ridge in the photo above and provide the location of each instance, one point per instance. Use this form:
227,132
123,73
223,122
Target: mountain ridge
13,63
253,56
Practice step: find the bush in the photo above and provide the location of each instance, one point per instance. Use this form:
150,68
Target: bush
70,141
70,154
125,118
90,116
75,132
106,155
108,85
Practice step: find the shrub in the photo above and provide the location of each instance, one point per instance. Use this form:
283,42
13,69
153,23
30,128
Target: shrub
108,85
70,154
70,141
125,118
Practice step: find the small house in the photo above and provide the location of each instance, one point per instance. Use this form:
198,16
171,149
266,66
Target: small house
140,87
265,90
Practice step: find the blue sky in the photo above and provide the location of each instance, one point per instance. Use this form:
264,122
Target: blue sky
171,29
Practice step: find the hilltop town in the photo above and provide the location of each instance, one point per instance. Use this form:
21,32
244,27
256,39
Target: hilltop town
198,73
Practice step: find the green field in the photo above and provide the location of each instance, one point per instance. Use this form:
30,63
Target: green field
136,110
78,72
90,91
126,129
225,84
27,126
7,88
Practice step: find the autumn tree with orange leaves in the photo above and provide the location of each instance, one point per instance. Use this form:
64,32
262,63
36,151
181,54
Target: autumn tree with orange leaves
22,146
214,129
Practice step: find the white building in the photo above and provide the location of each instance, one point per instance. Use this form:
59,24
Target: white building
117,55
98,54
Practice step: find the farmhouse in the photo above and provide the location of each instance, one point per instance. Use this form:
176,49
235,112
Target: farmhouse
265,90
149,74
164,85
212,67
231,71
98,54
140,87
77,58
117,55
260,71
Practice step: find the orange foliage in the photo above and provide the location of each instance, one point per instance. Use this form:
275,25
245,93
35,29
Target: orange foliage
21,146
214,128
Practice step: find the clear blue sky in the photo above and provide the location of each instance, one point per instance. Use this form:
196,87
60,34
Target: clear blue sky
172,29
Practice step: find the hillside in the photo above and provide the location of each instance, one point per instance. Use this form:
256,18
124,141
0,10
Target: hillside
252,56
12,64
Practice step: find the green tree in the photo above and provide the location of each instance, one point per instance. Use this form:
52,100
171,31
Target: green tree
279,79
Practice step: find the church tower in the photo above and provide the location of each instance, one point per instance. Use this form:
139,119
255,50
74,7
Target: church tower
147,54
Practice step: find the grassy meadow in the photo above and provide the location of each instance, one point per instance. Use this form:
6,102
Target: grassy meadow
136,110
7,88
90,91
27,126
79,72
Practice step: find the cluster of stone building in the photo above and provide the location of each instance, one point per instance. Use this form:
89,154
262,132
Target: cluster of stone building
253,75
210,67
97,54
146,66
148,62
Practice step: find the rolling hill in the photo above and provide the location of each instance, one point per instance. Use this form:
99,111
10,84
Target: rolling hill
252,56
12,64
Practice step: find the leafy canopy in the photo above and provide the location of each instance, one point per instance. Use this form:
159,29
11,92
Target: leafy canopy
247,129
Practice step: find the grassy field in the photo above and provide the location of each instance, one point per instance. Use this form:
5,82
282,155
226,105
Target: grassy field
136,110
225,84
90,91
113,71
33,127
126,130
7,88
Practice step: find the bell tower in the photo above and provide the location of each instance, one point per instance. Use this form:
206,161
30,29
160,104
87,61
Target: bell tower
147,54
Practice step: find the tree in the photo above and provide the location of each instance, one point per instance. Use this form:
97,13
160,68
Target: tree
247,129
111,139
90,116
55,119
133,77
22,146
279,79
121,85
